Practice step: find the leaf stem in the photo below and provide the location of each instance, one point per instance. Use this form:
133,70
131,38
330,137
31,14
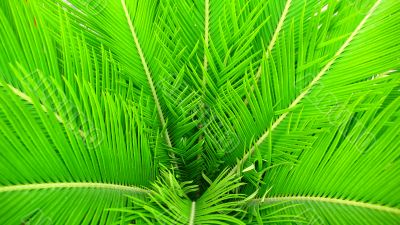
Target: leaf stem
308,88
206,34
25,187
331,200
275,35
192,213
29,100
149,77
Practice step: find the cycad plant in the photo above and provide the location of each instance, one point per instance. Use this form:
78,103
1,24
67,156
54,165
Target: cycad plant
199,112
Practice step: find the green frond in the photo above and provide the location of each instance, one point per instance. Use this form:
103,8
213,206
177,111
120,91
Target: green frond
168,202
320,210
63,142
199,112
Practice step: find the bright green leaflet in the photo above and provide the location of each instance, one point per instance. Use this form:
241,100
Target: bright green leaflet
200,112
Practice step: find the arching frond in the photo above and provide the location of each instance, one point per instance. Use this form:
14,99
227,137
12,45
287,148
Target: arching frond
199,112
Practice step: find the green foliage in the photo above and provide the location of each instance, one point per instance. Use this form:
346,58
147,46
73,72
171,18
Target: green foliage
199,112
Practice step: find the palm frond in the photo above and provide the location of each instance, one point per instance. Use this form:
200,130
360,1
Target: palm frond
169,202
72,149
199,112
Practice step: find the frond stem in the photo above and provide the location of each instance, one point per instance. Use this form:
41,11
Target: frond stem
29,100
308,88
149,77
192,213
271,43
206,34
26,187
330,200
276,34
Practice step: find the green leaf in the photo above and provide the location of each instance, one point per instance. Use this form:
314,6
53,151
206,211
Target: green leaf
199,112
